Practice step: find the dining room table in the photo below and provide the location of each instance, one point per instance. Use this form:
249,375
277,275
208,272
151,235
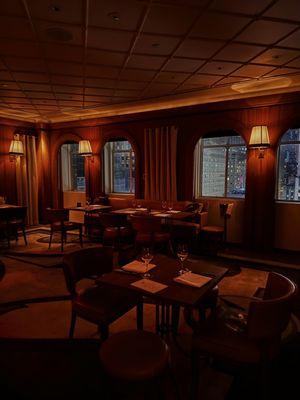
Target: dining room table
172,294
76,214
164,215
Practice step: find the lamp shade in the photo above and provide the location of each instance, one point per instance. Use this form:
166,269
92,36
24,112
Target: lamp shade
85,148
16,148
259,137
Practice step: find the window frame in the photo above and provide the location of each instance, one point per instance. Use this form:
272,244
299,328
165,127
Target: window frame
69,173
111,172
297,142
227,147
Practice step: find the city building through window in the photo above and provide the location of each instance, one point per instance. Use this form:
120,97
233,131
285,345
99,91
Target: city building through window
220,166
72,168
119,167
288,171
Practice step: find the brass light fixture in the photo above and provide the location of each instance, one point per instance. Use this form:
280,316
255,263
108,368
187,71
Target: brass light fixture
259,139
16,148
85,148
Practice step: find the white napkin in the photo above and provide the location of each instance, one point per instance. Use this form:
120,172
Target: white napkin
191,279
137,266
174,211
149,286
162,215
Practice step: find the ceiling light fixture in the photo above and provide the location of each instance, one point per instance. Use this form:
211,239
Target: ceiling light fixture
114,16
54,8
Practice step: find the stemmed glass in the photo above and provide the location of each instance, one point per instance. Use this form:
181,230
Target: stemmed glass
134,203
164,205
147,256
182,254
170,206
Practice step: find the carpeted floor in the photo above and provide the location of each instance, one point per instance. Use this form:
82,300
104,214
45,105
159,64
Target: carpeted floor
27,372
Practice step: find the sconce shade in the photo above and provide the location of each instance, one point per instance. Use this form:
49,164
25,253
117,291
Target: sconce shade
259,137
16,148
85,148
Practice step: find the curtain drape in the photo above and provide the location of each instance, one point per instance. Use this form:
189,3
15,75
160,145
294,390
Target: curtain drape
197,171
27,179
160,163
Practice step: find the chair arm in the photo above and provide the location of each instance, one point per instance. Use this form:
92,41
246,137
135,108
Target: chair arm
203,219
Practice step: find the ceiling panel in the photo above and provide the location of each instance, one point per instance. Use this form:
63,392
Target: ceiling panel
101,71
131,85
282,71
241,6
292,40
9,47
63,52
163,19
137,74
94,56
238,52
215,26
171,77
109,39
230,80
219,67
253,71
153,44
183,64
62,10
115,14
295,63
265,32
203,80
61,33
39,95
197,48
6,92
18,28
67,89
12,7
147,62
289,9
25,64
98,91
66,68
276,56
102,83
66,80
31,77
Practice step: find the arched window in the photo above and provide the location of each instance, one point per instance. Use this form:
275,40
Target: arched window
72,168
220,162
288,171
119,167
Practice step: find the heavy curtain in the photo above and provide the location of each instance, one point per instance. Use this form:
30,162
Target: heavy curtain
160,163
27,179
197,171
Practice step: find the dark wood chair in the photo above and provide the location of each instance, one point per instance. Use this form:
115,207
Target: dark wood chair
4,231
135,360
257,343
59,222
98,304
215,236
150,232
17,221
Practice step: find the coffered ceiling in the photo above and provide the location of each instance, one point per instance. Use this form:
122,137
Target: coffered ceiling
68,59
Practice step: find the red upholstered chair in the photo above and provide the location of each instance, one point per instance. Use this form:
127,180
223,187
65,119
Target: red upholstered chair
258,343
150,232
59,222
99,304
116,229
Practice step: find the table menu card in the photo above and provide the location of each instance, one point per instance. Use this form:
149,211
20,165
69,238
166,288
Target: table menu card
149,286
191,279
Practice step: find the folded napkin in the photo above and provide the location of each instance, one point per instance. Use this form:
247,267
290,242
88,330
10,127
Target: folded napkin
149,286
174,211
137,266
162,215
191,279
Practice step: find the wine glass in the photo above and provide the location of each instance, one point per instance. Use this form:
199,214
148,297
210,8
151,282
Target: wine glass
182,254
146,257
170,206
164,205
134,203
139,205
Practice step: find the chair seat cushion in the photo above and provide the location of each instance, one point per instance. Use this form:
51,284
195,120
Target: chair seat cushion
103,304
213,229
221,342
134,355
111,232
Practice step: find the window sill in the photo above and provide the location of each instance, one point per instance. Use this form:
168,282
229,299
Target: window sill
290,202
121,195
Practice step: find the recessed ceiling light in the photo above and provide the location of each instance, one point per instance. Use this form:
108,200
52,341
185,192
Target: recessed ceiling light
219,68
114,16
155,45
276,56
58,34
54,8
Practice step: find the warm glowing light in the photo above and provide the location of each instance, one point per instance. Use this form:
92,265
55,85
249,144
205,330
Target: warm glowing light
16,148
259,137
85,148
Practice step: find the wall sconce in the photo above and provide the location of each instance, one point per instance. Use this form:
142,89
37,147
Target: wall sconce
85,149
259,139
16,148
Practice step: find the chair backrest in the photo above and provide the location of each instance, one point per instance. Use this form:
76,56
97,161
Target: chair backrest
85,263
226,210
146,223
109,219
269,317
17,213
57,215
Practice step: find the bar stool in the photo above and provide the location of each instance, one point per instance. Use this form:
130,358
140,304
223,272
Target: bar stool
135,359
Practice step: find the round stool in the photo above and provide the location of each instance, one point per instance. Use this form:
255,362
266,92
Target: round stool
134,356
